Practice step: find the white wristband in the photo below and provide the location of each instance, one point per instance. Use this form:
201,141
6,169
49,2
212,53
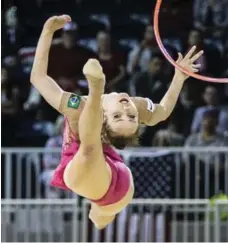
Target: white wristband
150,105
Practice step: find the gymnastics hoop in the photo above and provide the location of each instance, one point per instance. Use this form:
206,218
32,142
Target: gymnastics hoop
169,58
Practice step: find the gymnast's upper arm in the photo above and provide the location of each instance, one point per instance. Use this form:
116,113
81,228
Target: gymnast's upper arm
49,89
71,105
68,104
149,113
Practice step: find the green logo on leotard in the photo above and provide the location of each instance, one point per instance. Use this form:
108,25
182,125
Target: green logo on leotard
74,101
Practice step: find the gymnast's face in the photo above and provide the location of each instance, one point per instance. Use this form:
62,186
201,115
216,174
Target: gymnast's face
121,114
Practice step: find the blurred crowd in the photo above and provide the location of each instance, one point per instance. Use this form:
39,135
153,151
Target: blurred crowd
119,33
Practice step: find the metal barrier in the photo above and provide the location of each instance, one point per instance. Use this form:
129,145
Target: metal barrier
147,220
41,220
158,173
166,220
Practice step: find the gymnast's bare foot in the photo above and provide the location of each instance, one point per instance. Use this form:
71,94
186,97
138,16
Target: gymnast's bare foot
94,73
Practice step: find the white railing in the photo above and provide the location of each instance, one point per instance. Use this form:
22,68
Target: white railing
155,220
168,172
39,220
144,220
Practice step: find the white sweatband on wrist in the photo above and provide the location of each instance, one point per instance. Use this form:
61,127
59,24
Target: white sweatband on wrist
150,105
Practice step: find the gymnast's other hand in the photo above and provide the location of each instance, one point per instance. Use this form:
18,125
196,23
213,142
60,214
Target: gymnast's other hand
187,62
56,22
94,73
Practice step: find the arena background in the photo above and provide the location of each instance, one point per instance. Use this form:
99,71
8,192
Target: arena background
181,165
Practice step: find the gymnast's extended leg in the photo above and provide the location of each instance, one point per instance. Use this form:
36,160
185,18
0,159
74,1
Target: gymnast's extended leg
88,174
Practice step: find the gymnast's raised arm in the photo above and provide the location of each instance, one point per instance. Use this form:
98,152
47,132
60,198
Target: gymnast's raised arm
163,110
47,87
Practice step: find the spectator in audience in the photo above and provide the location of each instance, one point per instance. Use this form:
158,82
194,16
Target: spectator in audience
9,95
211,100
195,38
26,55
33,100
175,16
51,160
188,102
211,59
168,137
111,60
140,56
42,125
150,83
69,86
208,136
67,57
211,16
10,108
12,33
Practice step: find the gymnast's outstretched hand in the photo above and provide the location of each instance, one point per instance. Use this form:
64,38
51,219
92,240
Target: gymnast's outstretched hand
94,74
188,63
56,22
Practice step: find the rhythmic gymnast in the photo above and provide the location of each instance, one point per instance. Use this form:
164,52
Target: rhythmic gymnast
95,124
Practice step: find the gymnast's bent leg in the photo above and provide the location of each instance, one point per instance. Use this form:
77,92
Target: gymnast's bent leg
88,173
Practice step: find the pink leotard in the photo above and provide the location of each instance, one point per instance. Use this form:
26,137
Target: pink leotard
120,182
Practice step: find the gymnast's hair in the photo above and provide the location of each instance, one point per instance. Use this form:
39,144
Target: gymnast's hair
121,142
